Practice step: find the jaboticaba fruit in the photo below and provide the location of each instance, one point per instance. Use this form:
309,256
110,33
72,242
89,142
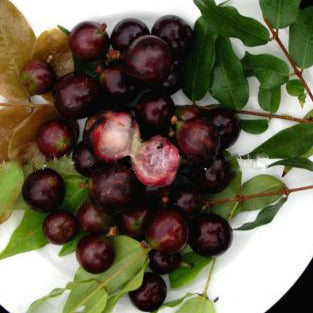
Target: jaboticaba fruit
187,112
111,135
156,162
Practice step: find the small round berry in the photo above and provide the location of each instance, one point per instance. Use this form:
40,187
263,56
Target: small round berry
37,77
187,112
89,41
95,253
210,235
84,161
44,190
164,263
60,227
126,31
173,82
151,295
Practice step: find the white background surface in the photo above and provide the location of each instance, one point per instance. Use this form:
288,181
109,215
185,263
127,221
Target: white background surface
261,265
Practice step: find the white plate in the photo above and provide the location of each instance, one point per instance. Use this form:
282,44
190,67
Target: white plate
261,265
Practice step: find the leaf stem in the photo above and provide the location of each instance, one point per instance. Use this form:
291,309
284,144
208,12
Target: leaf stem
291,61
206,288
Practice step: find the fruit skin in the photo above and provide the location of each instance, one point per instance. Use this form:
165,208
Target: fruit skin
44,190
60,227
167,231
113,188
306,3
95,253
227,125
214,177
156,162
92,219
55,138
154,113
151,295
75,95
198,139
37,77
89,41
187,112
148,59
164,263
126,31
176,32
210,235
173,82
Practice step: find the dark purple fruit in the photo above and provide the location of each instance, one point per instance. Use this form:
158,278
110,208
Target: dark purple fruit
55,138
214,177
60,227
164,263
151,295
44,190
210,235
84,161
148,59
37,77
187,112
167,231
306,3
95,254
173,82
227,125
93,219
75,95
126,31
176,32
198,139
89,41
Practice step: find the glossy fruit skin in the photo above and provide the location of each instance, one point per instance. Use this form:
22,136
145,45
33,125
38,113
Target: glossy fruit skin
198,139
60,227
164,263
167,231
131,223
44,190
187,112
84,161
126,31
55,138
89,41
148,59
95,253
210,235
214,177
151,295
306,3
154,113
75,95
113,188
37,77
227,124
173,82
176,32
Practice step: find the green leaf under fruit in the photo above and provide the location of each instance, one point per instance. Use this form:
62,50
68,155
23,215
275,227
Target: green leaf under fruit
269,99
295,162
301,39
280,13
288,143
175,303
254,127
199,304
185,275
266,216
228,22
199,62
228,82
261,184
71,246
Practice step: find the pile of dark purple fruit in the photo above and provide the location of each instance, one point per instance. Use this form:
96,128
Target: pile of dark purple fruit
149,163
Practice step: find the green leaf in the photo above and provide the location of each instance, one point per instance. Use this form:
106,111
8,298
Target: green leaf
175,303
280,13
271,71
185,275
295,162
228,82
11,183
228,22
71,246
295,88
302,99
288,143
258,185
269,99
254,127
199,304
266,216
64,30
199,62
28,236
301,39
